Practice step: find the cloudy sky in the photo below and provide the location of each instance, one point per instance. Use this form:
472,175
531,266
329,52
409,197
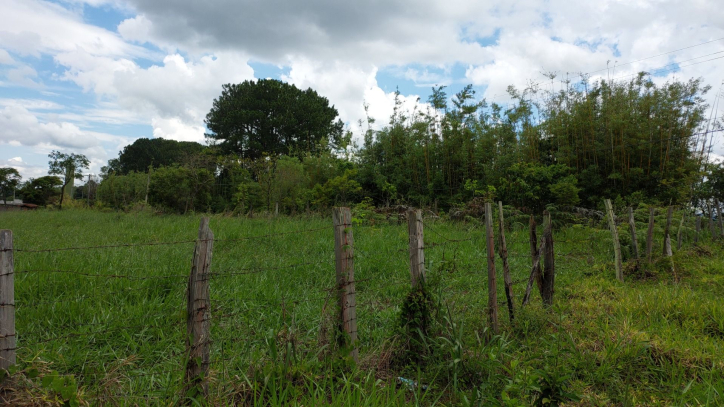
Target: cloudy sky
90,76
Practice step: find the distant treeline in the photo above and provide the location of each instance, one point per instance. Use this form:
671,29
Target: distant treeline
630,141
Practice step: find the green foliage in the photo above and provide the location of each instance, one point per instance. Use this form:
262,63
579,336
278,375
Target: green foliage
268,116
41,191
9,180
415,322
146,153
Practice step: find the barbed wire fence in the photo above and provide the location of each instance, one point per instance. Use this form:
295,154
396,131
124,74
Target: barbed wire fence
194,341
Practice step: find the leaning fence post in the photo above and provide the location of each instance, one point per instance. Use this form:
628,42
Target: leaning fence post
535,255
492,285
417,246
344,261
650,235
549,263
634,240
198,343
504,255
614,235
678,232
7,300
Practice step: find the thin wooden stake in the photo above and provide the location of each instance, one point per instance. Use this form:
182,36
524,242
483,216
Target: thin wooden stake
614,235
506,268
535,255
198,331
667,234
534,274
492,284
679,232
549,262
634,239
7,300
344,261
417,246
721,221
712,228
650,235
698,229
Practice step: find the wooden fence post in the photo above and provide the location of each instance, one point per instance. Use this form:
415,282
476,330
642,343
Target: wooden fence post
634,239
667,238
198,328
504,255
492,285
650,235
535,255
344,261
549,263
679,232
712,229
698,229
7,300
721,221
417,246
614,235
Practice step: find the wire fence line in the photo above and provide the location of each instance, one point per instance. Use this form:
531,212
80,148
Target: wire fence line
213,310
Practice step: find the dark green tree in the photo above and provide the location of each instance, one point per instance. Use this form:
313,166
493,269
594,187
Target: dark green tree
156,152
9,180
268,116
67,166
41,191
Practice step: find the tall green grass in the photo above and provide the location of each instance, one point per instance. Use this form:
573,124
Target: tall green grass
651,340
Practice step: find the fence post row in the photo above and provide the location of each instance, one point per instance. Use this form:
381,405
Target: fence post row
614,235
634,240
7,300
504,256
492,285
417,246
344,262
650,235
198,343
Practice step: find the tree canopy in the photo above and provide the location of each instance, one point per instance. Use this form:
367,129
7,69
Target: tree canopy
9,179
67,166
273,117
156,152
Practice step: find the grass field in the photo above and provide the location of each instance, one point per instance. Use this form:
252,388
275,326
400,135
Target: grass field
106,325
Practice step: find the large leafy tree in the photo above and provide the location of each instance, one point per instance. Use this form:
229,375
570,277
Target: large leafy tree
144,153
9,179
268,116
41,191
68,167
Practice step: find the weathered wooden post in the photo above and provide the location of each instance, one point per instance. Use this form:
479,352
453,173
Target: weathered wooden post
614,235
634,239
549,263
7,300
417,246
667,235
492,284
712,228
679,232
344,261
535,254
721,221
504,256
198,327
698,229
650,235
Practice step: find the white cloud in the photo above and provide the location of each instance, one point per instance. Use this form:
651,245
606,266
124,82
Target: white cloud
5,58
